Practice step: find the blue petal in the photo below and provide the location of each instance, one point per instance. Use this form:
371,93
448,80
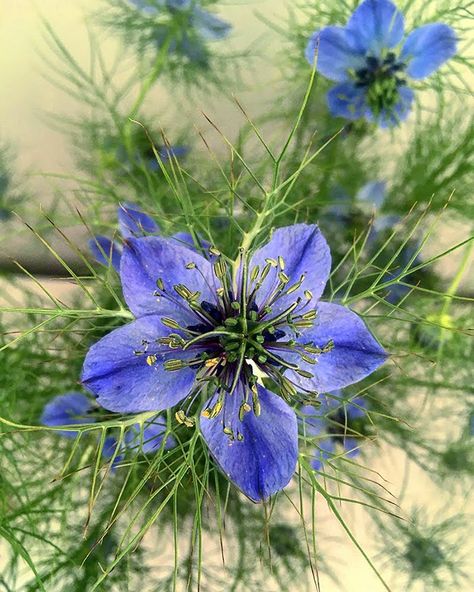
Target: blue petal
356,408
68,409
427,48
373,192
333,53
209,25
304,251
134,222
375,25
186,239
148,259
105,251
146,6
382,223
325,450
265,460
351,446
124,381
313,420
148,440
168,152
347,100
109,449
179,4
355,354
194,49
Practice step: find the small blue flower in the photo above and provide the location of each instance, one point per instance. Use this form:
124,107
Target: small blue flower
373,65
133,222
166,154
340,212
202,327
68,409
144,155
334,420
75,409
196,26
372,193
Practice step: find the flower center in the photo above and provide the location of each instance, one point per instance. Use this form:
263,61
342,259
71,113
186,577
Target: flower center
382,79
254,321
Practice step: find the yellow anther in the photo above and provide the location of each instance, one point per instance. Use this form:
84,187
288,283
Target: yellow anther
212,363
151,359
181,418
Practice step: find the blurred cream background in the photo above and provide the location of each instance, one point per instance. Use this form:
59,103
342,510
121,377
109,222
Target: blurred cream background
25,95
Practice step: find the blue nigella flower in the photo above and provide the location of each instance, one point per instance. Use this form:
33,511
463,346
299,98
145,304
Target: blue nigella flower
372,195
133,222
166,154
196,26
334,419
68,409
76,408
145,156
203,327
373,63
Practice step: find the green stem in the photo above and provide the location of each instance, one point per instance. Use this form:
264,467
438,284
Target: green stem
465,263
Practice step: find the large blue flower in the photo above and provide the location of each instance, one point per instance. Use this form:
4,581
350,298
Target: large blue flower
373,63
335,424
204,327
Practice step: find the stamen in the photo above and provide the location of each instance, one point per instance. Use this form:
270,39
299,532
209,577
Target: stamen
244,408
181,418
255,401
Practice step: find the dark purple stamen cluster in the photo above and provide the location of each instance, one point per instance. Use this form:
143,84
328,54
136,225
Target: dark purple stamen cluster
233,336
381,77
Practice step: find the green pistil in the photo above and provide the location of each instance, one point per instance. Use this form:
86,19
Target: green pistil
383,95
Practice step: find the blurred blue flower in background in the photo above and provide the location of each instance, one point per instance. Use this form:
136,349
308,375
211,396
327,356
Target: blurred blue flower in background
68,409
144,155
334,424
75,408
189,27
373,63
133,222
